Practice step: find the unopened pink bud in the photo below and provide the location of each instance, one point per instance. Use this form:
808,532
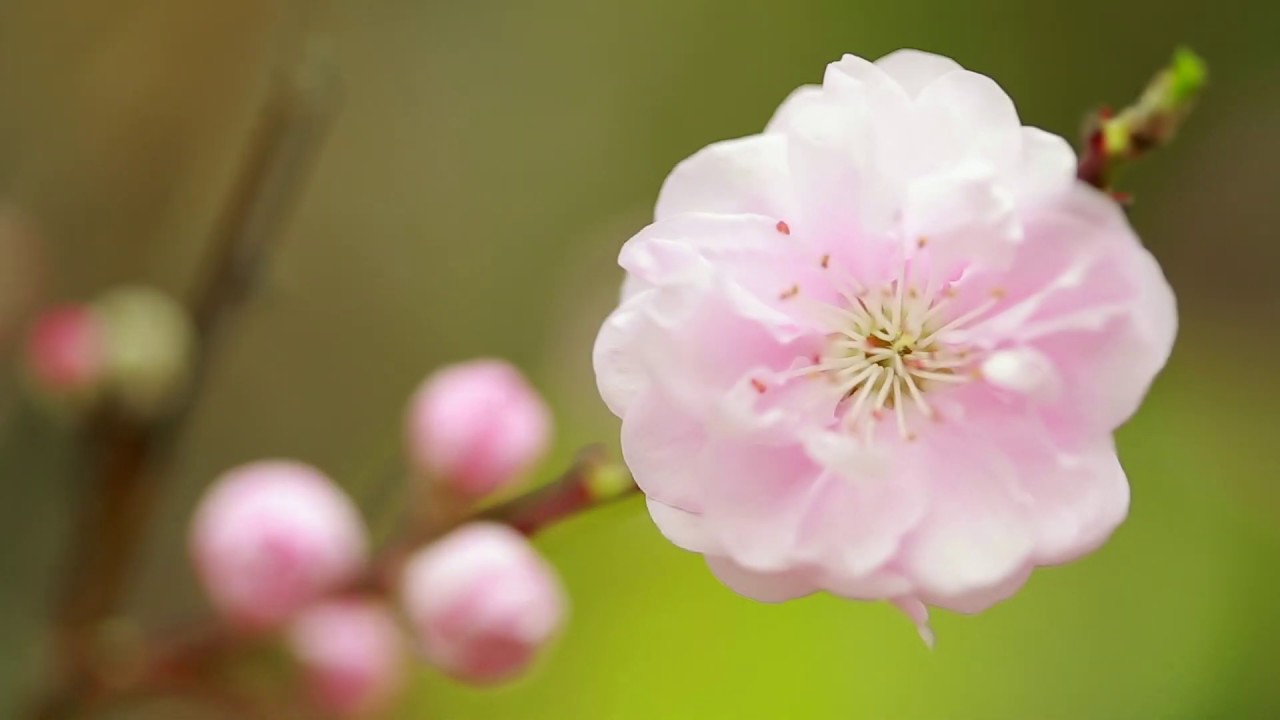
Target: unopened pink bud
270,537
477,426
66,354
352,654
482,602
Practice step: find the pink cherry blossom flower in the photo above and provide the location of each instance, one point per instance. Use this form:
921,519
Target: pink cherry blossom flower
352,654
271,537
483,602
476,427
880,349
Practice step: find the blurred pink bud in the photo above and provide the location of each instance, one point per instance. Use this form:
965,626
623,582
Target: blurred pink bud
352,653
66,353
482,602
477,426
270,537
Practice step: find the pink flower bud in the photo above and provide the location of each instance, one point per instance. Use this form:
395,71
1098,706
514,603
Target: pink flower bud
482,602
270,537
352,654
66,354
477,426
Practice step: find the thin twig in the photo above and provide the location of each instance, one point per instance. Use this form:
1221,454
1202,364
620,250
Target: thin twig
580,488
588,483
1113,140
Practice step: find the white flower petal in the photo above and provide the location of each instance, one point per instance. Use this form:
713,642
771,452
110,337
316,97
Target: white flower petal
747,175
880,88
980,598
914,70
833,151
620,375
974,114
802,97
685,529
1046,169
1025,371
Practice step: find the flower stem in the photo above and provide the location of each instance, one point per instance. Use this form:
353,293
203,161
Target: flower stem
1113,140
591,481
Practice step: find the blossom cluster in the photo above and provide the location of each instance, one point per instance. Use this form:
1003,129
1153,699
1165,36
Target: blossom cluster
279,548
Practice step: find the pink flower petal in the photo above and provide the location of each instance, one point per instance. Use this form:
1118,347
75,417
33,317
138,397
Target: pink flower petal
978,599
863,511
620,374
919,615
770,587
764,494
665,450
962,218
975,534
1077,503
685,529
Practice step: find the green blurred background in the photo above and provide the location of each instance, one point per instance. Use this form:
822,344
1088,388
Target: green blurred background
489,159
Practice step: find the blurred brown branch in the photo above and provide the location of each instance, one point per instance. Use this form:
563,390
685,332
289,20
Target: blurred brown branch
181,661
123,450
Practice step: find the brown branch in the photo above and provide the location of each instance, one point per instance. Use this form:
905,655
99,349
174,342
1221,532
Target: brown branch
579,488
113,517
590,482
184,660
292,125
121,486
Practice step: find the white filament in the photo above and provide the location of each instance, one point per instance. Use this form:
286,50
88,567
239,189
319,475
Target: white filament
890,347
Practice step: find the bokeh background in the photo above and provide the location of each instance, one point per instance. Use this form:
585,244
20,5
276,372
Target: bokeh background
489,159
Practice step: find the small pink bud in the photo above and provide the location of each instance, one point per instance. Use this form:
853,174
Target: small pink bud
270,537
477,426
66,354
482,602
352,654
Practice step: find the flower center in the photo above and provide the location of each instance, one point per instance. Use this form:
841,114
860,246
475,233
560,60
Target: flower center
890,348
